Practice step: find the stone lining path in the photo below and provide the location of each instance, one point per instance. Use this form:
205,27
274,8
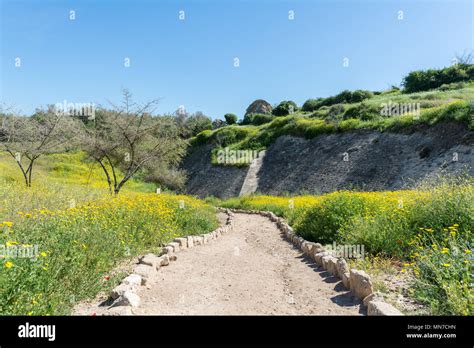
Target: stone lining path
251,270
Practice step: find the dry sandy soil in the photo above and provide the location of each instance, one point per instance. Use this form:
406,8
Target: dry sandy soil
250,270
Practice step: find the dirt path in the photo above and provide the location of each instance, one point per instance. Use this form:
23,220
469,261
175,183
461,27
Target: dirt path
250,270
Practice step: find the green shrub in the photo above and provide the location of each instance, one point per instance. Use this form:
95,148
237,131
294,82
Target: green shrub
312,128
424,80
335,111
398,123
229,135
430,96
257,119
197,123
451,86
426,104
322,222
460,110
443,272
202,137
363,112
350,124
311,104
230,119
360,95
322,112
285,108
345,96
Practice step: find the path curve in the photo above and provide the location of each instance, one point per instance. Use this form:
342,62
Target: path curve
251,270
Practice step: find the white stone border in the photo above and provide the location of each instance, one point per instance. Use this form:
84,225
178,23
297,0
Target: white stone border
355,280
124,295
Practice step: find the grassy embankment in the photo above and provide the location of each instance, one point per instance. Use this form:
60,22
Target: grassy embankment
435,106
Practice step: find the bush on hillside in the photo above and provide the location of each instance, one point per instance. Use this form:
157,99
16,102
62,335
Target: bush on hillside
257,119
460,111
202,137
360,95
229,135
424,80
362,112
335,111
452,86
285,108
345,96
196,123
230,118
311,105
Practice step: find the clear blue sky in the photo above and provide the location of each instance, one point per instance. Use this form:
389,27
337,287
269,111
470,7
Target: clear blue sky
191,62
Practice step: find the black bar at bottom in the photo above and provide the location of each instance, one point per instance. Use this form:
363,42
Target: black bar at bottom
222,330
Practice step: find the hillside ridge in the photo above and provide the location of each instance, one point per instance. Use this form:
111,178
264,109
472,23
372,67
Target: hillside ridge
361,159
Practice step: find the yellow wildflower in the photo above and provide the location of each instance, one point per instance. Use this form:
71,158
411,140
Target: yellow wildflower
8,264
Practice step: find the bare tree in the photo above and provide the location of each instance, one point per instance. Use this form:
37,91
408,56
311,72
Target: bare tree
466,58
128,139
28,138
